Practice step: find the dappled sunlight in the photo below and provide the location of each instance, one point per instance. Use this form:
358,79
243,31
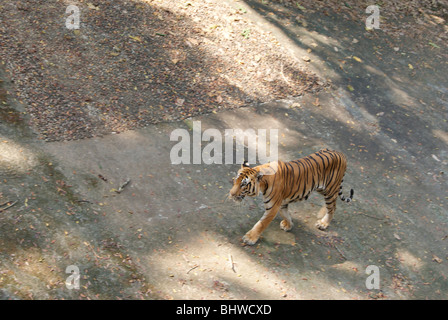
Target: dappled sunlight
409,260
396,94
40,269
34,272
239,52
392,85
15,158
353,116
246,119
303,44
274,234
202,268
351,267
207,267
140,226
442,135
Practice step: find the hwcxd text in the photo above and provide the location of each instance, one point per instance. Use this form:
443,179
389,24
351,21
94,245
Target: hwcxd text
245,309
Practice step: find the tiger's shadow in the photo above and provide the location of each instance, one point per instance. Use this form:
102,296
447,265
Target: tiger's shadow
304,215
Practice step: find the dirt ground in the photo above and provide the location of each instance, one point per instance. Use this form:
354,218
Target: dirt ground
379,96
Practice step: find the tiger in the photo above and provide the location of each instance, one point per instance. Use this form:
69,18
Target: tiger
282,183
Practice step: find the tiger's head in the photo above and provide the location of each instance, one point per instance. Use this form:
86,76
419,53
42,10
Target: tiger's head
246,183
250,181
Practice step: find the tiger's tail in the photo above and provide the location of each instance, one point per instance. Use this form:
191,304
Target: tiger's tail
346,199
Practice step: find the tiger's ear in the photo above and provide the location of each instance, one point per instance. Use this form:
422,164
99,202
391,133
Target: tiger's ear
259,176
245,164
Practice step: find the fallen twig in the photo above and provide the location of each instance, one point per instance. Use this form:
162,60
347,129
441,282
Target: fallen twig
123,186
367,215
4,203
88,201
232,264
192,268
340,252
283,75
7,207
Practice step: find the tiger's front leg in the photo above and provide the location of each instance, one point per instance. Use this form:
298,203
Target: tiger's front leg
252,236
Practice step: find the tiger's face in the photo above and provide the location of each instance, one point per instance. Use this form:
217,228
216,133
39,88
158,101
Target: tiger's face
245,184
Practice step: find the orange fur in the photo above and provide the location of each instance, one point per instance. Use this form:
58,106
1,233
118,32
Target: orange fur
282,183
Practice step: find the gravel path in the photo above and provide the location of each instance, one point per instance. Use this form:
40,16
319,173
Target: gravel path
131,64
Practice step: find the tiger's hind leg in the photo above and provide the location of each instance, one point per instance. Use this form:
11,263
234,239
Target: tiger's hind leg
286,224
330,204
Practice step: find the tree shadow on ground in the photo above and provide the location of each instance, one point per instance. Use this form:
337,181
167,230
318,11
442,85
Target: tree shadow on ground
392,104
134,63
384,226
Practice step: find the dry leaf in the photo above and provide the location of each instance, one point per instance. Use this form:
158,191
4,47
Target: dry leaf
136,38
180,102
92,6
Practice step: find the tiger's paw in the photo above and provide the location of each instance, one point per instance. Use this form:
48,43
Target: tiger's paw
322,225
285,225
250,238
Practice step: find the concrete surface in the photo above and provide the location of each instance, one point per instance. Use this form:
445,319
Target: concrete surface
170,233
